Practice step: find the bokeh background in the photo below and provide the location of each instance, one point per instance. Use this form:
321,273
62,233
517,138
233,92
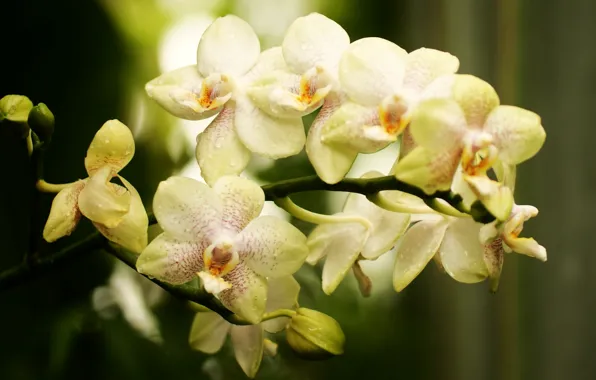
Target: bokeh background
89,60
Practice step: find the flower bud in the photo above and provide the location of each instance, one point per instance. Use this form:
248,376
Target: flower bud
41,121
314,335
14,110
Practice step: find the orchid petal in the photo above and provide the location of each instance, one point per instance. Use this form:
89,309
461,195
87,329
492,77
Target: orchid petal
283,294
438,125
247,296
270,60
372,69
314,40
388,226
493,259
64,214
418,246
102,201
208,332
179,93
357,128
188,209
462,255
430,171
219,150
272,247
171,260
518,133
113,146
342,250
513,227
131,232
331,162
495,197
266,135
242,201
228,46
248,342
425,65
476,98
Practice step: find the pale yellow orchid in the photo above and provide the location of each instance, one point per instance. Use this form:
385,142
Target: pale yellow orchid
460,122
217,234
228,59
343,243
116,211
380,88
209,330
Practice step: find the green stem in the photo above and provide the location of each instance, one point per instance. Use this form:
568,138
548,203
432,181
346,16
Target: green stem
312,217
279,313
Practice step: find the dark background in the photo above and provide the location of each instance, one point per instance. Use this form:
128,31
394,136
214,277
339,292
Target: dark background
88,61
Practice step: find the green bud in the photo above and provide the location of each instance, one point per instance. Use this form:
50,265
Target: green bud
41,121
314,335
14,111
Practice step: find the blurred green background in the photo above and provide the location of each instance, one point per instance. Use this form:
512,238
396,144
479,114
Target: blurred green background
88,61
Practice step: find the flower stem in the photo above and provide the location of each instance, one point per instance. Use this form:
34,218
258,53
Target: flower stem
312,217
46,187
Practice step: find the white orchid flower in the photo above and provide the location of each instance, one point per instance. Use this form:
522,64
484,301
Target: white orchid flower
312,48
382,84
468,251
343,243
135,296
209,330
217,234
461,121
228,59
500,238
116,211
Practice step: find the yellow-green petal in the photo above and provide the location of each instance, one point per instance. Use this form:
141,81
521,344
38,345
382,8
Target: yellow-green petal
425,65
248,342
131,232
208,332
248,294
102,201
219,151
64,214
517,133
113,146
476,98
283,294
495,197
462,254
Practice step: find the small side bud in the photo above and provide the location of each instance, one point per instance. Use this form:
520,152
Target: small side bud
314,335
41,121
14,111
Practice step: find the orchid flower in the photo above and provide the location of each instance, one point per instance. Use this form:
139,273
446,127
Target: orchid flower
209,330
228,59
461,122
135,296
382,84
217,234
343,243
311,49
116,211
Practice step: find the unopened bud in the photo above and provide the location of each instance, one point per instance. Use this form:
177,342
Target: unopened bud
314,335
41,121
14,110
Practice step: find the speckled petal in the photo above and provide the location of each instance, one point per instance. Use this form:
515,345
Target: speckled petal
247,296
188,209
242,201
272,247
171,260
462,254
425,65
